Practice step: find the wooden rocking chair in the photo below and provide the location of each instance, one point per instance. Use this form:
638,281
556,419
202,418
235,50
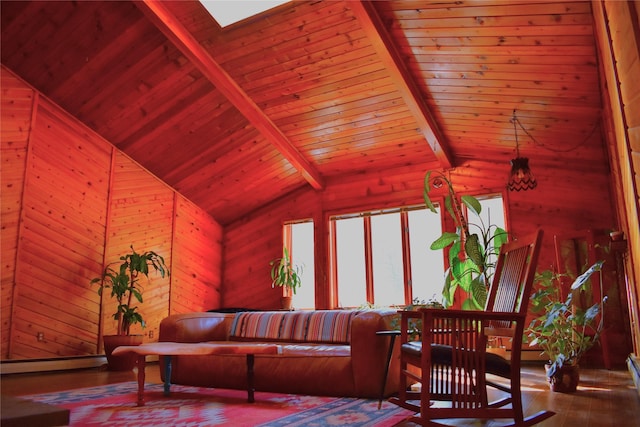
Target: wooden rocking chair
451,362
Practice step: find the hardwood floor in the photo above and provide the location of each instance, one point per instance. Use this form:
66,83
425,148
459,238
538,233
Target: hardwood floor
604,398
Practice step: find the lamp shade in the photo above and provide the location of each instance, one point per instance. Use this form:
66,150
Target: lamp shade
521,178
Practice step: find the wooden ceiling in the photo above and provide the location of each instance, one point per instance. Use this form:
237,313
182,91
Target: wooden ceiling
313,91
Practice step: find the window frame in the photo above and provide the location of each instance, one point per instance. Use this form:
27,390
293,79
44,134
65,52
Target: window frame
446,224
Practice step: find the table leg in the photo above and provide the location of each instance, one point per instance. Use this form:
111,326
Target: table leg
167,375
141,366
250,385
392,336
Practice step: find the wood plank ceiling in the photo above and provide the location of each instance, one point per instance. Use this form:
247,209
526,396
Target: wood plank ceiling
311,91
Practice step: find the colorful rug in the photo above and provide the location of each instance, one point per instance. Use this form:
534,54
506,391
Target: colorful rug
115,405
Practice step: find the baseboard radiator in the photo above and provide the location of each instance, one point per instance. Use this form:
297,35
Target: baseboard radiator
634,368
54,364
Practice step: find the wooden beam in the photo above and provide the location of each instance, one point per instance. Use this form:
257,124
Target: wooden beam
178,34
377,34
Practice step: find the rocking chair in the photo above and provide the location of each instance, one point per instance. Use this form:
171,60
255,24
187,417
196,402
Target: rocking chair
451,362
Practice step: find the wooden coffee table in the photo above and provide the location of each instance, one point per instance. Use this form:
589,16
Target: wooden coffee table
169,349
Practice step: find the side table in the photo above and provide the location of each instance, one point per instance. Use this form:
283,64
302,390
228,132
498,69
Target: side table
392,335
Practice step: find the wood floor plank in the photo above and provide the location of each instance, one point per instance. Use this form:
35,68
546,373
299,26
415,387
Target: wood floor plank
604,397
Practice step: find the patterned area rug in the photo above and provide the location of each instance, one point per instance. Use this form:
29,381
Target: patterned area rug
115,405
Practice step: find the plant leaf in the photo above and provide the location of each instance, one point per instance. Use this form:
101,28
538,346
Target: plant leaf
443,241
473,250
425,193
582,279
472,203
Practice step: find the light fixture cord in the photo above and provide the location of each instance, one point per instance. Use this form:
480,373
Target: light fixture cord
515,131
515,120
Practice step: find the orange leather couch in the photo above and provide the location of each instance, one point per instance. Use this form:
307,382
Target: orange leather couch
324,352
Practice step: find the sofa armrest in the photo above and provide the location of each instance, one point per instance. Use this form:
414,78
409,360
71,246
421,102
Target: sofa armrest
196,327
369,352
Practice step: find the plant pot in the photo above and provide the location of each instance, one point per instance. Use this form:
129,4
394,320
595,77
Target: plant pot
124,362
565,379
285,302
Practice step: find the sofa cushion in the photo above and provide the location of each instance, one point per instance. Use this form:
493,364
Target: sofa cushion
294,326
318,326
257,325
331,326
316,350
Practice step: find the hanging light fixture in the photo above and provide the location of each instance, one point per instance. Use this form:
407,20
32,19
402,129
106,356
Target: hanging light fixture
520,178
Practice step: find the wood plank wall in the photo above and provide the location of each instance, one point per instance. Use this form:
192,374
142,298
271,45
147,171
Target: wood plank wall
15,112
140,214
71,202
259,236
618,27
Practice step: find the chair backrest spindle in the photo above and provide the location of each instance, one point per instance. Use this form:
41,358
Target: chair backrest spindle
513,278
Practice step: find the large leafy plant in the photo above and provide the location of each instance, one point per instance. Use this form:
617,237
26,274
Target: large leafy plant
125,286
564,330
473,247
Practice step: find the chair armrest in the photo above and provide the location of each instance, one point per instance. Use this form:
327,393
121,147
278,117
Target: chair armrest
439,323
473,314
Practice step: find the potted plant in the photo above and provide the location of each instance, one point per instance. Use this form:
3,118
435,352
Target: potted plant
286,275
563,329
473,247
414,330
124,283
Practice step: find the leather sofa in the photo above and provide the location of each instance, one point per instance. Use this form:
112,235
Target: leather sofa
324,352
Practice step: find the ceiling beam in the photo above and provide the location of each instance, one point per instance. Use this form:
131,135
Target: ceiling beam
385,47
178,34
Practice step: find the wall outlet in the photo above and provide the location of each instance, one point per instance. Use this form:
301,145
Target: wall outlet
150,334
40,336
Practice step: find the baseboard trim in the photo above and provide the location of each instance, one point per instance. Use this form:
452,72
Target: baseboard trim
55,364
634,368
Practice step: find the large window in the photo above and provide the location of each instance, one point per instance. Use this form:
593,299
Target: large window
388,268
351,269
427,266
384,258
302,254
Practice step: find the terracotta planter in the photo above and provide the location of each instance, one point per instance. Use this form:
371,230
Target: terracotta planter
286,303
565,380
125,362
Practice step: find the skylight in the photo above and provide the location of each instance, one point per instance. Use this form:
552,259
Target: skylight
227,12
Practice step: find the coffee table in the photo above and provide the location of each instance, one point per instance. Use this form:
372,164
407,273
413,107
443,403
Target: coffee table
169,349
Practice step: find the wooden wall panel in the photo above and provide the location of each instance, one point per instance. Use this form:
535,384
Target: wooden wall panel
251,243
15,114
71,202
618,28
61,238
140,214
196,283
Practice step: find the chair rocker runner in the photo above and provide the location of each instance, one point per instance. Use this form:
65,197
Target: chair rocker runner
451,362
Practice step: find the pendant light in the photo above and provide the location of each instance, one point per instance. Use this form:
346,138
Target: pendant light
520,178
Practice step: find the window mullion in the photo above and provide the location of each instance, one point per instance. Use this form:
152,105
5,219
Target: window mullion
406,257
368,259
333,255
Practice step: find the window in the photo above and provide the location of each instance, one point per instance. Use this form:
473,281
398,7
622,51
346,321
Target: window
351,262
388,270
302,254
427,266
384,258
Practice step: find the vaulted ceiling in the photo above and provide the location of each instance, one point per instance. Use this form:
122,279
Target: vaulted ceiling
310,91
